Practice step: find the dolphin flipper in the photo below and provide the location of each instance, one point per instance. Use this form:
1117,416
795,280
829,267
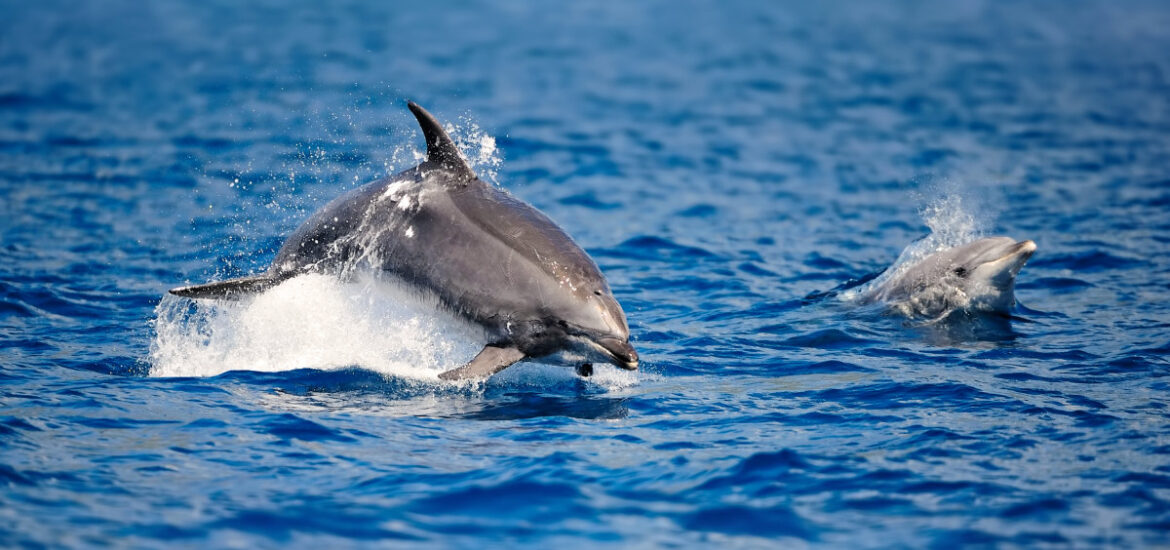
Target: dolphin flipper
230,289
491,359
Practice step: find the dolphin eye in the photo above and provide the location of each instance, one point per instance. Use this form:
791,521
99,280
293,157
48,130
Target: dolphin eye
961,272
597,293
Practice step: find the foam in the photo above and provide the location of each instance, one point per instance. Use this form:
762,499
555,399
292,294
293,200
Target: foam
312,321
319,322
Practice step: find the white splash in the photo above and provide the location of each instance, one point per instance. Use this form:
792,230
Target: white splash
952,222
312,321
316,321
478,148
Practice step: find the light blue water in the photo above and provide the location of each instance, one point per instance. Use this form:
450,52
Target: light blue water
727,165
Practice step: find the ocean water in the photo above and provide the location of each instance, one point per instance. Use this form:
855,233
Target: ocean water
737,169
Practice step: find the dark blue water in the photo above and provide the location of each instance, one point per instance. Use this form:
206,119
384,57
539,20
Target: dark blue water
727,164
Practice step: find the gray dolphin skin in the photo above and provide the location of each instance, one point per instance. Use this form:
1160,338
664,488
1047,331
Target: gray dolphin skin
977,276
488,257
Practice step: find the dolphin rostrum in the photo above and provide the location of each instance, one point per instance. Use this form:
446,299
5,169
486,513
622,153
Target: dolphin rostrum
977,276
486,255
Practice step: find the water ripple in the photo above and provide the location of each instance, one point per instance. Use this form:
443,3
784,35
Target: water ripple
736,169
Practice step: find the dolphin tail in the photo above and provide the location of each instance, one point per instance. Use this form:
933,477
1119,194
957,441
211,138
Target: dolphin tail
231,289
491,359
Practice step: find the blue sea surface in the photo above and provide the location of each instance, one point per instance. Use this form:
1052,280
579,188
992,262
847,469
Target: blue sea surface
733,167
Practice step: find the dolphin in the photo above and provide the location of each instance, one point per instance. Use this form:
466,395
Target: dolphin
489,257
977,276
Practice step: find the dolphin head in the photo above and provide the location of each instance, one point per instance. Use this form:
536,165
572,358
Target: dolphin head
597,327
984,270
977,276
577,314
987,270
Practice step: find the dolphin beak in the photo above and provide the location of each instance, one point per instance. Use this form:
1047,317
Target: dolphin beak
1003,270
621,353
1018,254
1024,247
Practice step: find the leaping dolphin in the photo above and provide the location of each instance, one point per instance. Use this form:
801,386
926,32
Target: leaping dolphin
977,276
486,255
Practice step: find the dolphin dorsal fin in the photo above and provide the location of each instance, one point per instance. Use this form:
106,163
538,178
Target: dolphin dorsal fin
440,149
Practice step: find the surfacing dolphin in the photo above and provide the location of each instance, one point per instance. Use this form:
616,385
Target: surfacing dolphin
977,276
488,257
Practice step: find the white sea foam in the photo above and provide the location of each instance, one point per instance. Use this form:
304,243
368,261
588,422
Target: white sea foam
316,321
312,321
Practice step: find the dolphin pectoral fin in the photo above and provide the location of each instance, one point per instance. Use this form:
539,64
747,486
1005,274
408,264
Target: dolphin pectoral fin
231,289
491,359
